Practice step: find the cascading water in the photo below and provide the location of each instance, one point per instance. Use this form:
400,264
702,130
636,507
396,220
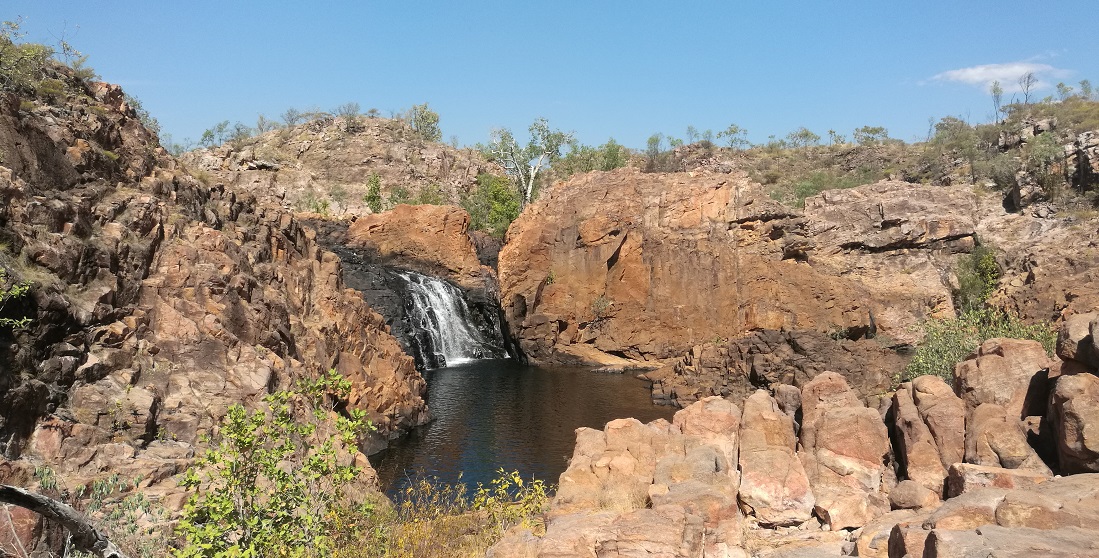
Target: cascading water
443,324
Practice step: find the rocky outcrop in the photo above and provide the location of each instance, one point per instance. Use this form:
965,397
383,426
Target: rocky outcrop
1049,265
430,239
158,301
1007,372
774,486
822,474
630,263
769,358
599,261
1053,518
664,489
324,163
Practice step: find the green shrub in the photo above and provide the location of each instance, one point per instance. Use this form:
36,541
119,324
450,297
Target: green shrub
373,196
492,205
601,307
425,122
271,484
817,182
585,158
397,196
12,292
949,341
978,275
21,65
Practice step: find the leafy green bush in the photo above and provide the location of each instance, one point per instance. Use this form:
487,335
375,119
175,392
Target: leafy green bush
10,293
949,341
397,196
1044,160
425,122
21,65
271,485
373,196
314,203
585,158
978,275
492,205
870,135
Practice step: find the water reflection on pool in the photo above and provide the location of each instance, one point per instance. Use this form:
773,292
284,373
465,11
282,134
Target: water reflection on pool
494,414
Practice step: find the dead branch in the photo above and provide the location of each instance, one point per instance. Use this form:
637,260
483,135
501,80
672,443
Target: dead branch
85,537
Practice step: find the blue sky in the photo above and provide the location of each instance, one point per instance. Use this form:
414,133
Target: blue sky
601,69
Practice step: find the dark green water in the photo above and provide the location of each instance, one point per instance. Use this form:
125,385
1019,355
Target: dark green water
494,414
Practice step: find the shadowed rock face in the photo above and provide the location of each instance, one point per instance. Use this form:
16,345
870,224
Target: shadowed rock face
429,239
770,358
159,301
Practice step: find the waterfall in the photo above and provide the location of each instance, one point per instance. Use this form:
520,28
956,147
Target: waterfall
442,322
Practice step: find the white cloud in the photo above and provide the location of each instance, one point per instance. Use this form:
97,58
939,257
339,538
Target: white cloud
1007,74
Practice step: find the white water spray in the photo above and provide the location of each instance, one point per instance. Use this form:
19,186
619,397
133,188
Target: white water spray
440,309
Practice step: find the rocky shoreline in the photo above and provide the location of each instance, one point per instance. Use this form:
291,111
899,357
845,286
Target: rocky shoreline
930,470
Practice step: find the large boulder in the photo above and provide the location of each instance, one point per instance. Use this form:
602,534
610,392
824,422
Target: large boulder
911,495
844,450
917,453
966,477
715,422
1078,339
944,414
1074,415
774,486
1007,372
993,439
614,468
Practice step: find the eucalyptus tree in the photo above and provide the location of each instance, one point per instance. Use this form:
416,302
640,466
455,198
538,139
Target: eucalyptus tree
523,163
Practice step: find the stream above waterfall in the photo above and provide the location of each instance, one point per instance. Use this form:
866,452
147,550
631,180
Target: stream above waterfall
493,414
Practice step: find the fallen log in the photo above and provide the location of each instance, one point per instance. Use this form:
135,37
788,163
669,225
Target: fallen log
84,536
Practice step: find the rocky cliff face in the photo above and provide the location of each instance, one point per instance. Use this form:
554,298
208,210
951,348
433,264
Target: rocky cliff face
651,267
646,265
159,300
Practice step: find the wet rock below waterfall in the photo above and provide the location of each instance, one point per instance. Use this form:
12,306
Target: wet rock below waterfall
435,321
